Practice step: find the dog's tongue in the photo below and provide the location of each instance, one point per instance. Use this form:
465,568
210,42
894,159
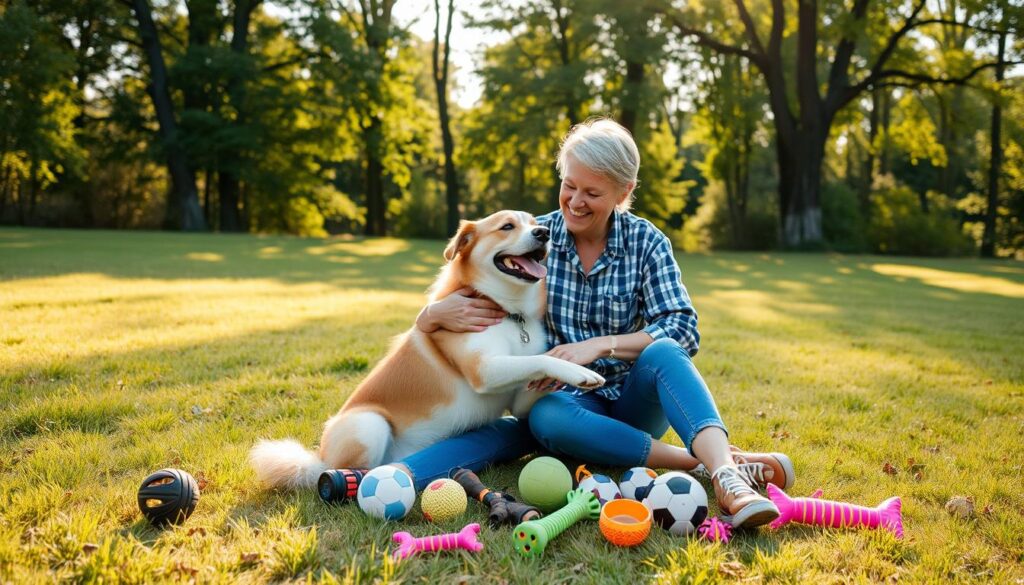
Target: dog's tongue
530,266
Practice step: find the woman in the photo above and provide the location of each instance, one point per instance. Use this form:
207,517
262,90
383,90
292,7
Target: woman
616,304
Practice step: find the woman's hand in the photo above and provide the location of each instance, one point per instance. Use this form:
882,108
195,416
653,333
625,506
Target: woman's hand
580,353
460,312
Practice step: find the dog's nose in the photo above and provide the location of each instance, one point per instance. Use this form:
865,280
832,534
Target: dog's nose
542,233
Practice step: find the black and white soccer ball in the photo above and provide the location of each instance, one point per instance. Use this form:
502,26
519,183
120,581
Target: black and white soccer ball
678,502
635,481
602,486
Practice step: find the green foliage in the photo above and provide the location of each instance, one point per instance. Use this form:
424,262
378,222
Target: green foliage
713,227
37,110
842,219
899,225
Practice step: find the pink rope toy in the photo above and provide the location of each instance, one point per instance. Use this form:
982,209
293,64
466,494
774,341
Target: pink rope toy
715,530
464,539
818,512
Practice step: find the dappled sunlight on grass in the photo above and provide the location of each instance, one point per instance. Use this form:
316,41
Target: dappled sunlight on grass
119,355
205,257
109,315
958,281
370,247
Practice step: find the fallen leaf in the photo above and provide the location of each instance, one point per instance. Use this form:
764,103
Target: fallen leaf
889,469
961,506
988,382
180,567
463,579
918,476
732,569
250,558
197,530
89,548
988,509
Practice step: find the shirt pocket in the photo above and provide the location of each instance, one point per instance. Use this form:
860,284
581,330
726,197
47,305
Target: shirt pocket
620,312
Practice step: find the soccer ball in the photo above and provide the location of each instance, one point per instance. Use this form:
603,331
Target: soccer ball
602,486
635,481
386,492
678,502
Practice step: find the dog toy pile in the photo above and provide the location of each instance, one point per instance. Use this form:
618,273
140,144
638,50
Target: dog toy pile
464,539
532,537
818,512
502,507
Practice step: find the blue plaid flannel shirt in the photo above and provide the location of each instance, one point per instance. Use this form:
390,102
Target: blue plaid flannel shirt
634,286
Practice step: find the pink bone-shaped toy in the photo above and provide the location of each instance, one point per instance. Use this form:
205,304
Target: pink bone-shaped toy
464,539
818,512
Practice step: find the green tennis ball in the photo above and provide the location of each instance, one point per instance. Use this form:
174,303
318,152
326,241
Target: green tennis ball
544,483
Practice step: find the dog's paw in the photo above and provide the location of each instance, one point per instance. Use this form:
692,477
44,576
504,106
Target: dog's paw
585,378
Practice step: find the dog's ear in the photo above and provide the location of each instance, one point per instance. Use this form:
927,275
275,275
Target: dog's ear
467,230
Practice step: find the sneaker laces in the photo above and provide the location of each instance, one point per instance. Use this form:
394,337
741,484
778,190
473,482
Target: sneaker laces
732,481
752,473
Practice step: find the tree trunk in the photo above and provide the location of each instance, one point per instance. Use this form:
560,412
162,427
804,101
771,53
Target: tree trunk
229,182
868,170
183,204
376,206
632,90
988,239
800,189
451,180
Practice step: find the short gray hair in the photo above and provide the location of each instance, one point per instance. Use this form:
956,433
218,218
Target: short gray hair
603,146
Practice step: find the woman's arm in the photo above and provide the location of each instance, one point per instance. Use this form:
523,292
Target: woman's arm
667,308
459,312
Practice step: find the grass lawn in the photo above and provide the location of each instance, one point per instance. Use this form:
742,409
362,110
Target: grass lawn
122,353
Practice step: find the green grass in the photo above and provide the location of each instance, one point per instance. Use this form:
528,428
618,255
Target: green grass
122,353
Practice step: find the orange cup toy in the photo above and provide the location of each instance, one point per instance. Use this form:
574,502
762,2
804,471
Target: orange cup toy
625,522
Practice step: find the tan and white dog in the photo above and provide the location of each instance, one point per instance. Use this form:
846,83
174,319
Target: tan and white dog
432,386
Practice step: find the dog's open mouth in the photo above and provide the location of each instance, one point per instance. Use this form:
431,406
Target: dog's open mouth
527,267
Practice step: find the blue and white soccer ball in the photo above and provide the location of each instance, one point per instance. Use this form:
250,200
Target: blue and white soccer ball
602,486
386,492
635,481
678,502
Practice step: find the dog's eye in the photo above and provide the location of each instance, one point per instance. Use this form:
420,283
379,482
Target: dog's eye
507,227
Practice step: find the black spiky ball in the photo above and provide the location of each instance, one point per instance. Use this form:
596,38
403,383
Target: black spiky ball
168,496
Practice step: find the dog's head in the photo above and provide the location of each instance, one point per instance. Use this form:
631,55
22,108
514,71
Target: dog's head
509,245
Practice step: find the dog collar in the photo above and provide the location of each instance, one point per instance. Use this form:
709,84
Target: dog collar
524,335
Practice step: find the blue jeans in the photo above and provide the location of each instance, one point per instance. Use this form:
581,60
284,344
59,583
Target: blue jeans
502,440
663,387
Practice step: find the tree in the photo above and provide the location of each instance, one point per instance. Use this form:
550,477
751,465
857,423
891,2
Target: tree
801,134
440,75
37,108
183,205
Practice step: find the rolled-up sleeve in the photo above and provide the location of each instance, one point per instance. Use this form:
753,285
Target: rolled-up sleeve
667,309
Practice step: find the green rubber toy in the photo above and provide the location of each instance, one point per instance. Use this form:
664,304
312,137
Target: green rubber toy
530,538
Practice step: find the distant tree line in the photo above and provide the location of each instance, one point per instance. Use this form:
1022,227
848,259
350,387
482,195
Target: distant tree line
858,125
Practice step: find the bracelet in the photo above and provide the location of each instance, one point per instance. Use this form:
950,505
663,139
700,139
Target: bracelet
615,343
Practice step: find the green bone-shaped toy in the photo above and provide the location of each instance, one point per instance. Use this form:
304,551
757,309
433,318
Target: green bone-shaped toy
531,537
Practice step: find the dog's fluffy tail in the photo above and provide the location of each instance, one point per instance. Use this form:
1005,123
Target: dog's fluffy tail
286,464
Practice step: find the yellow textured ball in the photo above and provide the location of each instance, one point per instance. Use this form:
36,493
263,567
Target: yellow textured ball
443,499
